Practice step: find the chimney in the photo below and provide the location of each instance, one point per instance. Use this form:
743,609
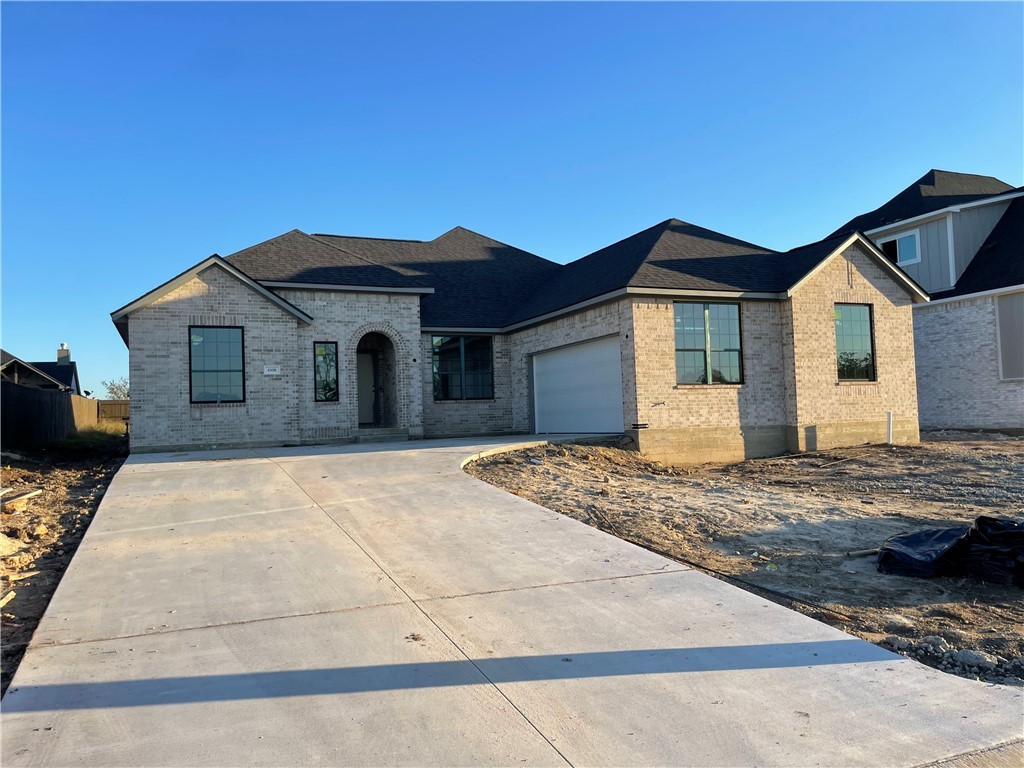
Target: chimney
63,354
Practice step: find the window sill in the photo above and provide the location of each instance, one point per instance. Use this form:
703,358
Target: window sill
466,400
857,383
227,404
709,386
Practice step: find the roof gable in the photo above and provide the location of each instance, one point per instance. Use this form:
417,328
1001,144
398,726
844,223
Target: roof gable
806,261
119,316
932,192
8,360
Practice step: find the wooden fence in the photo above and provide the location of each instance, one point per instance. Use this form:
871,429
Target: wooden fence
31,416
112,409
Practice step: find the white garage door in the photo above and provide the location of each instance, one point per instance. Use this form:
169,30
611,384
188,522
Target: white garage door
579,388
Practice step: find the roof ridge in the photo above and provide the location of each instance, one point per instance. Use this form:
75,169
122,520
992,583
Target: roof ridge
359,256
493,240
961,173
360,237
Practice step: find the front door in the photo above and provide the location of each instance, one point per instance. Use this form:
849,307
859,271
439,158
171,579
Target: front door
366,370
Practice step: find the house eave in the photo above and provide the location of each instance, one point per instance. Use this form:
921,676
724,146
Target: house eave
979,295
343,288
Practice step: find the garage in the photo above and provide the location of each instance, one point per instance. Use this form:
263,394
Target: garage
579,388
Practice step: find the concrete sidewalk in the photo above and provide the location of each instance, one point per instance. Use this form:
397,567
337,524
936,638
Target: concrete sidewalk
374,605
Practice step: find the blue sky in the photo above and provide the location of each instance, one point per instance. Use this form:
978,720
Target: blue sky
140,138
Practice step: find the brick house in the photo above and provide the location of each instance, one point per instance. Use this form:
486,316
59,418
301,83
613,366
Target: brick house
698,345
961,237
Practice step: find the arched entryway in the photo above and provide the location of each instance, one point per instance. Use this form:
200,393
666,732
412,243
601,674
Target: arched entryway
377,381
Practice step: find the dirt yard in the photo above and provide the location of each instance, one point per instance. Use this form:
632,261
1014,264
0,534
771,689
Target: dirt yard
784,528
39,535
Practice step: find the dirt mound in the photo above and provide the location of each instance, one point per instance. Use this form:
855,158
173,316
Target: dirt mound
786,527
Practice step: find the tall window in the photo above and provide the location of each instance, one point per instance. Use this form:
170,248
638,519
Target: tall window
216,364
463,368
708,340
855,348
1010,309
902,249
325,371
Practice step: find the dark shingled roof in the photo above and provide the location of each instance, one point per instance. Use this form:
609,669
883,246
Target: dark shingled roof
296,257
999,263
482,283
478,282
932,192
65,374
672,254
680,256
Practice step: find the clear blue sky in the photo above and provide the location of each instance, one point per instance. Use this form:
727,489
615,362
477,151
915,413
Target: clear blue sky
140,138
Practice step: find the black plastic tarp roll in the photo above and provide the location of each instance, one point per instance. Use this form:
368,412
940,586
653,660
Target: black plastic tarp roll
992,549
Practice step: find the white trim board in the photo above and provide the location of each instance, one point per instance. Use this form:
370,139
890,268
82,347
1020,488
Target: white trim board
943,211
978,295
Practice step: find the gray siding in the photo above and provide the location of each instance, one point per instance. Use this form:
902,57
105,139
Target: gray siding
932,272
970,228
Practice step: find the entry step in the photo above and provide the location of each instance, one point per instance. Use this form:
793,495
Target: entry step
381,435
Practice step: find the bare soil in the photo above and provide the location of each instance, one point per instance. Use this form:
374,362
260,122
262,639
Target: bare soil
39,538
785,527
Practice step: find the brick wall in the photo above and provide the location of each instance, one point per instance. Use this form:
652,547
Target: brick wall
958,385
345,318
468,417
278,408
604,320
700,422
827,412
161,415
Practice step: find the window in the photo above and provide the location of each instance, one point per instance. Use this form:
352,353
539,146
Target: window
708,339
902,249
216,364
855,348
1010,320
325,371
463,368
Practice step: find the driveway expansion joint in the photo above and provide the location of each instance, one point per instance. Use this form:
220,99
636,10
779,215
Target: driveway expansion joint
218,625
667,569
430,618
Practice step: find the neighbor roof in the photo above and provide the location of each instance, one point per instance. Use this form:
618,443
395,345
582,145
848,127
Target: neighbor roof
932,192
66,374
478,282
62,380
999,263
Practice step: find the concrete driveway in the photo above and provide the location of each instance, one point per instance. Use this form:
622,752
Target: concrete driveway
374,605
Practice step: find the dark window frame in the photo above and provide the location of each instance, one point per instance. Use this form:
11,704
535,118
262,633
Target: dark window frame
708,349
871,336
337,379
191,395
462,366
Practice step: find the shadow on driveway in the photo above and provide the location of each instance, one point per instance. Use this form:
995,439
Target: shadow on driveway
396,677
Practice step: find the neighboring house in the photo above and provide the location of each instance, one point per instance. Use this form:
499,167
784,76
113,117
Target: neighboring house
698,345
961,237
60,375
